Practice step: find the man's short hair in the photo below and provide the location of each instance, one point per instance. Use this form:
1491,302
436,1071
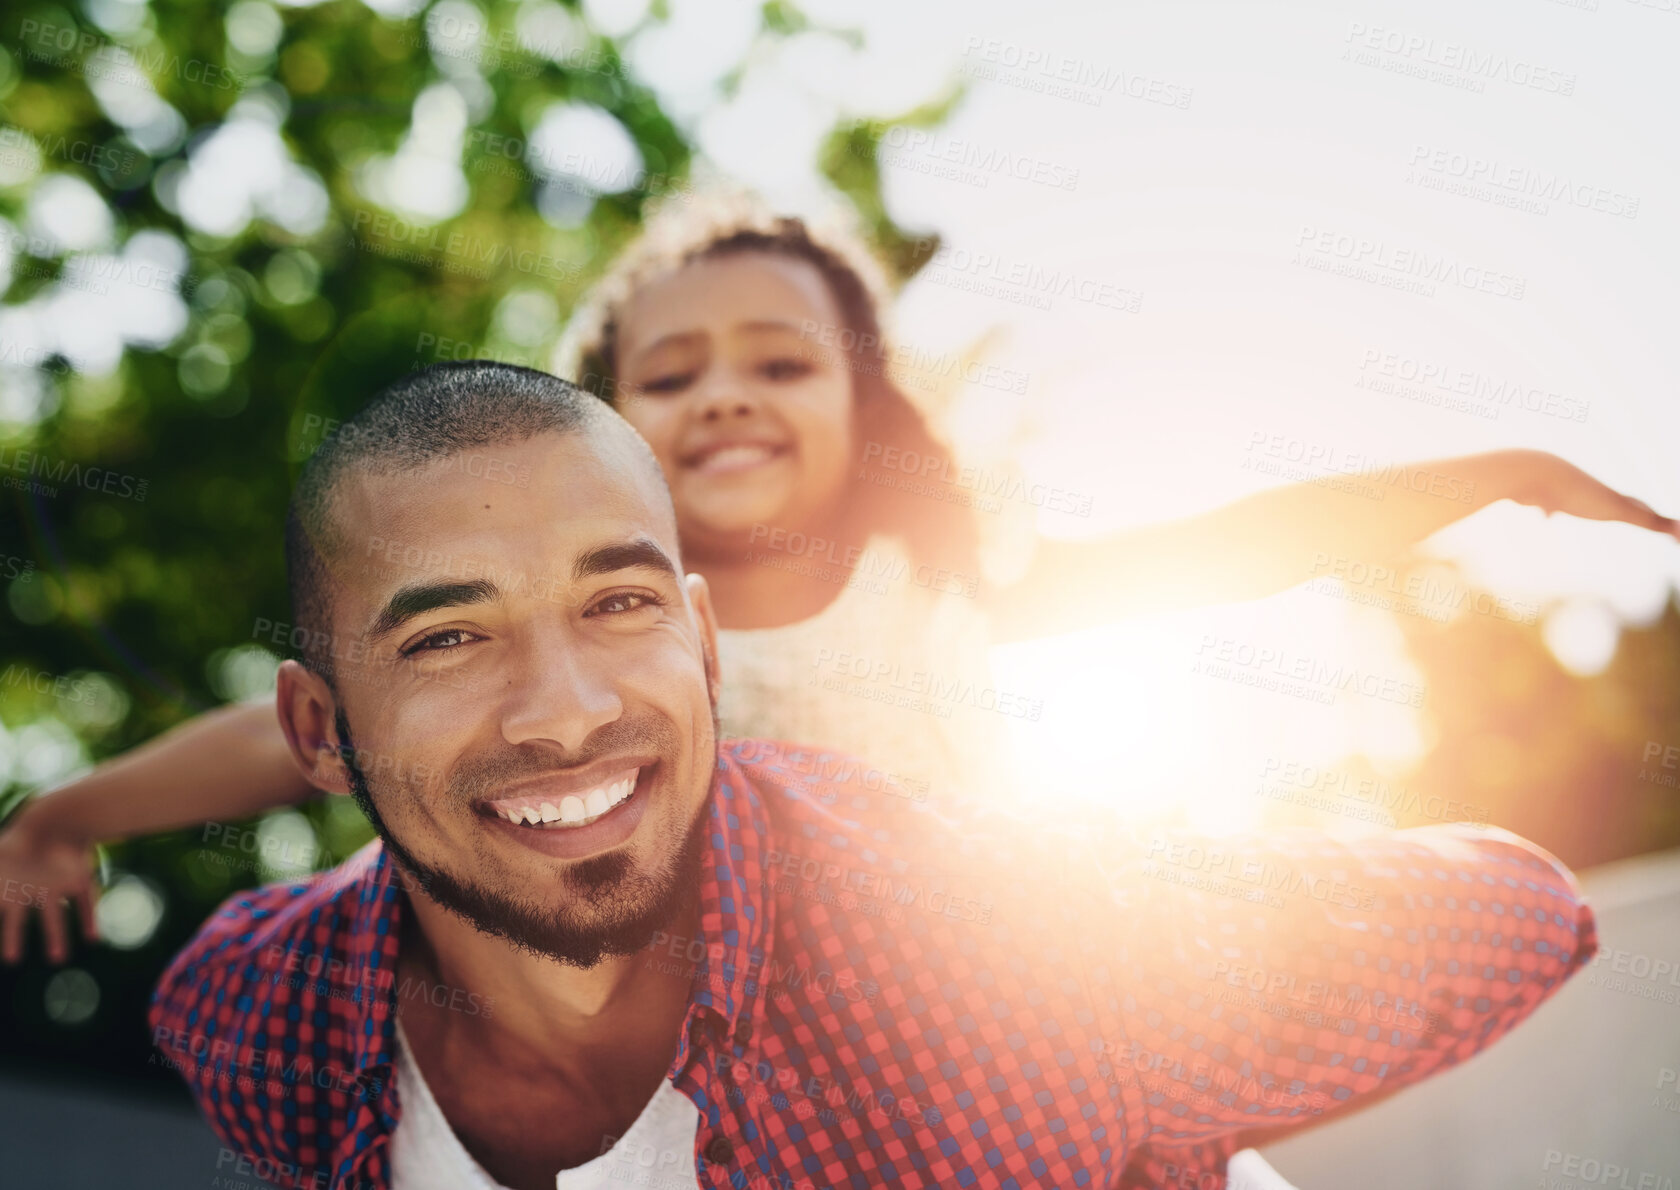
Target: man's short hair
432,414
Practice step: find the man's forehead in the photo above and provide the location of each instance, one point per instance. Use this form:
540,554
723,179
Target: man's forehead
566,488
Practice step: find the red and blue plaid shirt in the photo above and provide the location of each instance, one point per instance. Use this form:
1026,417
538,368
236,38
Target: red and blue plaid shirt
882,996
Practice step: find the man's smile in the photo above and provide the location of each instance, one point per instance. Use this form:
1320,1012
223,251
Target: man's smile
552,808
566,818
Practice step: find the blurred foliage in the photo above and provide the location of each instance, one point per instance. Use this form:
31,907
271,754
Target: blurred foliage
151,597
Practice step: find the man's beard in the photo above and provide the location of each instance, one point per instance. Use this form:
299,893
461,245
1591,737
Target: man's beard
638,903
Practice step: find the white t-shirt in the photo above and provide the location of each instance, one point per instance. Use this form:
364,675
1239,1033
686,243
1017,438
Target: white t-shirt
656,1153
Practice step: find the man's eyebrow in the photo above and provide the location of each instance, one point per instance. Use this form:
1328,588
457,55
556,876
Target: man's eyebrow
421,598
638,554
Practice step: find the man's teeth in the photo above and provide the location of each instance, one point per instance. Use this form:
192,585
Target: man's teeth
573,810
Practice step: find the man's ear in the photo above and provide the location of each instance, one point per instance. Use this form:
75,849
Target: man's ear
307,710
700,598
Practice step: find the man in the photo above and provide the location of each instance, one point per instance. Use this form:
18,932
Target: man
593,941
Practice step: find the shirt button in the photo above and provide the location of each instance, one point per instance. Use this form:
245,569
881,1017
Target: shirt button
719,1150
701,1031
743,1031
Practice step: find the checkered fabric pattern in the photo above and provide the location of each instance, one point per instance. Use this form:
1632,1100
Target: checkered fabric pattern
886,996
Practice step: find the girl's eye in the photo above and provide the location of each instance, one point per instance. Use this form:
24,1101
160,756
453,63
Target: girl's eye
670,383
625,601
449,638
785,369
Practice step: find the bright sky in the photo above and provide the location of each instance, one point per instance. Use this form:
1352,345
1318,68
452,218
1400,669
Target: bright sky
1305,142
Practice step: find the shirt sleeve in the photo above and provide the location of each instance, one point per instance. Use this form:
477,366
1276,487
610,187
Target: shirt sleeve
194,1019
1253,983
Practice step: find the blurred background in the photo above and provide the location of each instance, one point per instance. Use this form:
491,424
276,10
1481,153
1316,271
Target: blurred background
1159,255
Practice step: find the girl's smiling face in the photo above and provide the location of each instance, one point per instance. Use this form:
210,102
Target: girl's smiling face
749,416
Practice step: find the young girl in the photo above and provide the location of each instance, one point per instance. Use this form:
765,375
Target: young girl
844,567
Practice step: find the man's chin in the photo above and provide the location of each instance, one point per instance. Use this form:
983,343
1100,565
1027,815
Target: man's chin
606,905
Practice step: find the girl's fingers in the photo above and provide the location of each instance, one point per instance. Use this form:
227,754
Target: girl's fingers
11,933
88,901
52,926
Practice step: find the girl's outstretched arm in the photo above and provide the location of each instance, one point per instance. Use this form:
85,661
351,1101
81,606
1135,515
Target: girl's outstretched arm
229,763
1272,540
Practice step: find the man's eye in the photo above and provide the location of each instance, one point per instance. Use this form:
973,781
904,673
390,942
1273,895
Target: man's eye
785,369
625,601
449,638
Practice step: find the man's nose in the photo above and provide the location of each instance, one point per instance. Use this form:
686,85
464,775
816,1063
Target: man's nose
559,692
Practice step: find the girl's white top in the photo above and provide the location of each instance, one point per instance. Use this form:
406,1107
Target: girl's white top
893,673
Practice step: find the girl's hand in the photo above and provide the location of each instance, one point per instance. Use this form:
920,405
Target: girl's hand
40,869
1546,481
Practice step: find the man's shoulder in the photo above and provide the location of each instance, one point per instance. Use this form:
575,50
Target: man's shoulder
262,947
262,921
839,832
813,793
